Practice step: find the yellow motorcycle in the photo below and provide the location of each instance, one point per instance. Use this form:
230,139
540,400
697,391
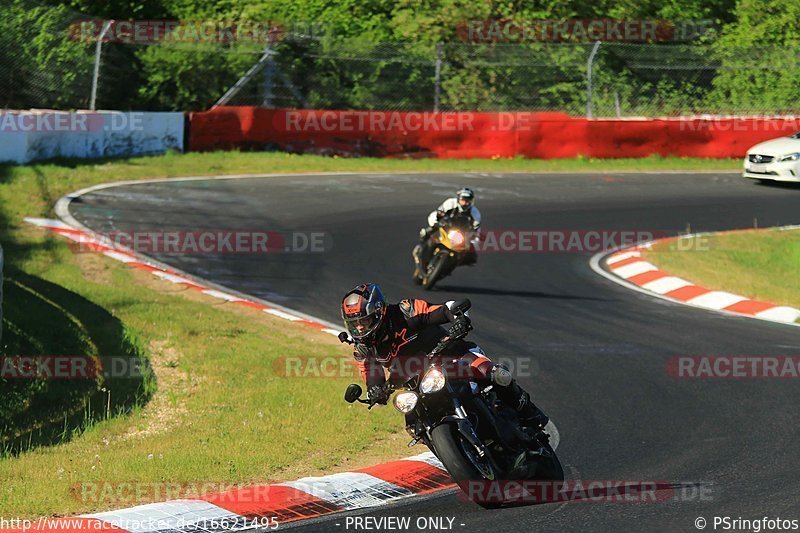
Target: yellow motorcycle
448,248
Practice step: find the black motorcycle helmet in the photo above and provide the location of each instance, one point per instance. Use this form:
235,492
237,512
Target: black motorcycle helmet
465,197
363,312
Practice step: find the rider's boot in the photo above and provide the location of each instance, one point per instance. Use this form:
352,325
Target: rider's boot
510,393
416,253
419,252
424,246
424,234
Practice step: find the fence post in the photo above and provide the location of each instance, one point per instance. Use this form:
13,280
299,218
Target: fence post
589,79
269,78
438,78
225,98
96,74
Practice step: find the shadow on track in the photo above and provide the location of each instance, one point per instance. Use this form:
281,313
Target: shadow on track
786,185
523,294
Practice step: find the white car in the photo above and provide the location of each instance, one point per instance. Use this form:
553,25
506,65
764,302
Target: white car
778,160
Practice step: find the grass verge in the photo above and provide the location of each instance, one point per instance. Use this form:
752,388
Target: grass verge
220,412
201,164
757,264
43,318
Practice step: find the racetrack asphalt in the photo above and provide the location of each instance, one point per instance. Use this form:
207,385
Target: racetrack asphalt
592,353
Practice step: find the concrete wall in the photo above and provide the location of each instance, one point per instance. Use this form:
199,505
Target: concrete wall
35,135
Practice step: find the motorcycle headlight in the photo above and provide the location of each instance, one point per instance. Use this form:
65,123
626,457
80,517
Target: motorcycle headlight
406,401
433,381
456,237
789,157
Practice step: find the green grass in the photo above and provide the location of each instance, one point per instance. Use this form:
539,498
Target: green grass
43,318
201,164
759,264
220,412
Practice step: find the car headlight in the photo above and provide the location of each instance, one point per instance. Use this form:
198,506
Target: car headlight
433,381
456,237
789,157
405,401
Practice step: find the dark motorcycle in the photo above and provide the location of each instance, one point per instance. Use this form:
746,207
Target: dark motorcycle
450,247
474,435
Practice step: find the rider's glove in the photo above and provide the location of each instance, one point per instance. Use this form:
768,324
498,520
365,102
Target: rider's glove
439,215
461,326
363,352
377,394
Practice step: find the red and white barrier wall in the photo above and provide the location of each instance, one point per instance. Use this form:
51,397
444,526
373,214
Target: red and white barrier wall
473,135
36,135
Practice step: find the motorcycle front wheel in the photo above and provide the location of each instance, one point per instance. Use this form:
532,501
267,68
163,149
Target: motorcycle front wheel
434,270
464,464
458,456
549,468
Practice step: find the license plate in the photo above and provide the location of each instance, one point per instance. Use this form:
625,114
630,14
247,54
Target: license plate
757,168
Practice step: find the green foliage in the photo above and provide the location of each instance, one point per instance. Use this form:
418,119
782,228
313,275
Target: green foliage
760,56
381,54
41,67
188,78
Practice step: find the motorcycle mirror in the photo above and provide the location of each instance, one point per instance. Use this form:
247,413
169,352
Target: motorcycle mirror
461,306
344,337
353,393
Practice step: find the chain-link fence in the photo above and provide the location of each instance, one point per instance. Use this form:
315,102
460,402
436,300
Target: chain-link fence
45,64
41,66
48,59
592,79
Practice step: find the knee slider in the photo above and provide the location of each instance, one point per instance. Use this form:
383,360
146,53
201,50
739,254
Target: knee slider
501,376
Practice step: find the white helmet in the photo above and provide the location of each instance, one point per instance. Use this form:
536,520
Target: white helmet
465,198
